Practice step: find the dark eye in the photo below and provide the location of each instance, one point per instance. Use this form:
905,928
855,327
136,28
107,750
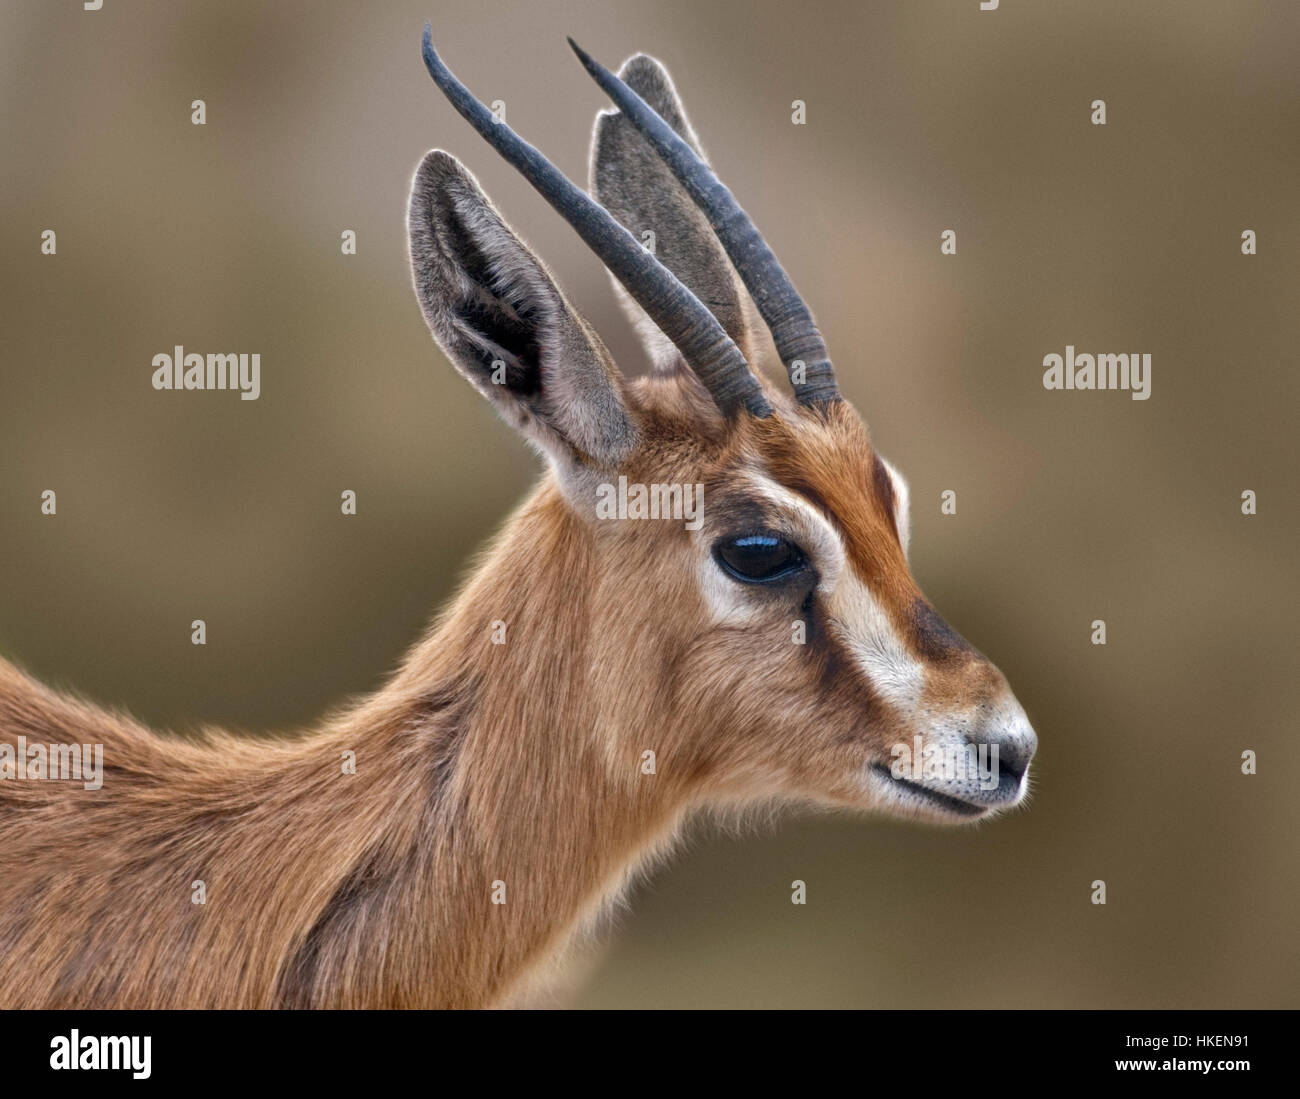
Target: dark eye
759,558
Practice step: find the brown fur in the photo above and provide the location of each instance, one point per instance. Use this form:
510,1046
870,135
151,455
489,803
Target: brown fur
477,763
480,763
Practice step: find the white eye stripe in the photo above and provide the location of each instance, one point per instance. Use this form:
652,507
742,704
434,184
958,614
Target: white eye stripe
855,614
902,504
728,600
819,539
814,533
894,673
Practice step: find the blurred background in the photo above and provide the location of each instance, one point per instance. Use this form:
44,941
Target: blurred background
921,117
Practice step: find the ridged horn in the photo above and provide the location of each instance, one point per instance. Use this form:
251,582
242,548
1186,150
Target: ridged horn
790,321
683,318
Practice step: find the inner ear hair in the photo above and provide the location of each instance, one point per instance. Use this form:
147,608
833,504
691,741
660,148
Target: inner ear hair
504,324
497,307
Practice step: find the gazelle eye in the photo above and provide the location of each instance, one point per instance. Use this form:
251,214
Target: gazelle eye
759,558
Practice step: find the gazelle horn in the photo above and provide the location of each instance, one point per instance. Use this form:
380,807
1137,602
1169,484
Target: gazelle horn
794,332
684,319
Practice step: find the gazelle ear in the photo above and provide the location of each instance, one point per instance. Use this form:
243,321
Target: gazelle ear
503,323
634,184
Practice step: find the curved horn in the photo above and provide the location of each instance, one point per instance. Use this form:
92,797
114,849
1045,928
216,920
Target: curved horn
793,329
684,319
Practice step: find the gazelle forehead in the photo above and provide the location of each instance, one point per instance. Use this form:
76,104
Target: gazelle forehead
826,537
830,461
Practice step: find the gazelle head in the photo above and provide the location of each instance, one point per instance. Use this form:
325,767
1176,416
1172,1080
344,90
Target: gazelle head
777,635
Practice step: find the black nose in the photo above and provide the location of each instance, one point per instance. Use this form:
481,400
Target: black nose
1015,754
1013,760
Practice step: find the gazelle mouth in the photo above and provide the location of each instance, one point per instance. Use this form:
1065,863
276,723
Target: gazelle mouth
947,802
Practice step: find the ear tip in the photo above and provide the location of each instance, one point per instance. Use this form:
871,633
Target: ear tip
643,67
440,178
650,79
438,164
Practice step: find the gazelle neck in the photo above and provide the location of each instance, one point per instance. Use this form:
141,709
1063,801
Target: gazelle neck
518,801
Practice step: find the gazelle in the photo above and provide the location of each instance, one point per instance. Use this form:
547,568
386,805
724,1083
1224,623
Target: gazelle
501,792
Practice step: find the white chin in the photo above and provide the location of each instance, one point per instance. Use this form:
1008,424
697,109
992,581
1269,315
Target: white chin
908,798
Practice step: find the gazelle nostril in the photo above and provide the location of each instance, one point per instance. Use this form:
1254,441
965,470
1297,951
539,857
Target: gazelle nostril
1012,764
1015,755
1016,741
1014,752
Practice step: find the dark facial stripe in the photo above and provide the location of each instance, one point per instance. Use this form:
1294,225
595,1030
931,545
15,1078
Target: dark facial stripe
932,637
